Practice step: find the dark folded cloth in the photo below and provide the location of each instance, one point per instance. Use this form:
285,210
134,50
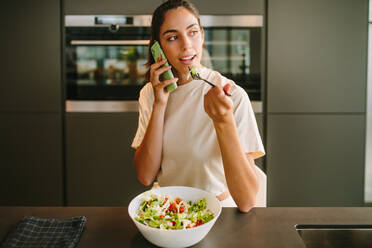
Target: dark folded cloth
32,232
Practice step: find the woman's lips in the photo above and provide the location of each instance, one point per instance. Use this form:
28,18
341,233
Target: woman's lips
187,60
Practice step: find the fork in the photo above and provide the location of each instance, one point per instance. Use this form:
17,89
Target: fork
195,75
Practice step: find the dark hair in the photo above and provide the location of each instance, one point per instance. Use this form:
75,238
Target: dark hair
158,19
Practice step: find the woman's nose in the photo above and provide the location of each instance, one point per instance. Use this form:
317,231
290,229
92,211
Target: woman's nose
186,42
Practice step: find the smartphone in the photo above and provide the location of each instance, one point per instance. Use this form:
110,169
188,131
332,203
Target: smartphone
156,51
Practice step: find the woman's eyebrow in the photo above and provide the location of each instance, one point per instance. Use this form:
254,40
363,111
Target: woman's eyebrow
175,30
170,31
191,25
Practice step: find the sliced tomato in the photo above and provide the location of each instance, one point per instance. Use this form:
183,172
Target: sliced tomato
191,225
172,208
199,222
182,209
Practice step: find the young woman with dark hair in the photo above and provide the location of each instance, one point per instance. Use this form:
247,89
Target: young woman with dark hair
196,135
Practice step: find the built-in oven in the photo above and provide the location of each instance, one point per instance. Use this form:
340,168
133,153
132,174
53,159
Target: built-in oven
106,56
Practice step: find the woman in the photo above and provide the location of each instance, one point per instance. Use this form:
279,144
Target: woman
196,135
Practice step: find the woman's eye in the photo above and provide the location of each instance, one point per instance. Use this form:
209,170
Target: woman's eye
194,32
172,38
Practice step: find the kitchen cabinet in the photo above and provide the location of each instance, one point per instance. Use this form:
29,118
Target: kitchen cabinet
315,160
316,83
30,104
117,7
317,55
232,7
31,159
31,56
259,119
110,7
99,159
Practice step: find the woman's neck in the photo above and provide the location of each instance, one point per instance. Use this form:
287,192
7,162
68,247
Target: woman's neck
183,78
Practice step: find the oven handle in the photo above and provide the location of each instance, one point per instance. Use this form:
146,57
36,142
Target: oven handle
109,42
121,106
101,106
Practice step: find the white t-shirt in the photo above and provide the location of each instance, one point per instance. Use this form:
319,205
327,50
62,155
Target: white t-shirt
191,154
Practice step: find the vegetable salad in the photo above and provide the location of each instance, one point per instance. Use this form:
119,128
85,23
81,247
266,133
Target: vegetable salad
165,212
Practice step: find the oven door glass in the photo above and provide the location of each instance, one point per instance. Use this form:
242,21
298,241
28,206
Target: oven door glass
106,71
236,53
105,65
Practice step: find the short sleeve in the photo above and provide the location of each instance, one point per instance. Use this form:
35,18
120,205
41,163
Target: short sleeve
145,102
246,123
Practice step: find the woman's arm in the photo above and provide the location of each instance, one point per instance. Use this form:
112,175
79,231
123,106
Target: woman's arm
147,158
239,167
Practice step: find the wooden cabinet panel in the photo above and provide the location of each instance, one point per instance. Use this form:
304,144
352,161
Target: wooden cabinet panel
315,160
110,7
232,7
96,7
317,56
259,119
100,170
31,159
31,56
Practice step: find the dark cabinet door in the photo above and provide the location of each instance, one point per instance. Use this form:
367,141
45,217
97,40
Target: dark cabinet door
315,160
110,7
30,56
316,83
317,55
259,119
99,159
232,7
119,7
31,155
30,104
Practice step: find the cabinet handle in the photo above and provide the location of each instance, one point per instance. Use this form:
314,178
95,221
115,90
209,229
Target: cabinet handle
109,42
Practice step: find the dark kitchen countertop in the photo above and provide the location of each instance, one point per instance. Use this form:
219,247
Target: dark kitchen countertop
261,227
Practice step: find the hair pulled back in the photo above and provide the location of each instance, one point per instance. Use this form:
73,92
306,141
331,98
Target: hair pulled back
157,20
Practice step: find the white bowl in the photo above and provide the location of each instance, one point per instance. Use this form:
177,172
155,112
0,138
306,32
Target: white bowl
177,238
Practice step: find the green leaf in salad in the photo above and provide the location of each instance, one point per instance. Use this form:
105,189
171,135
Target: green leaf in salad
167,213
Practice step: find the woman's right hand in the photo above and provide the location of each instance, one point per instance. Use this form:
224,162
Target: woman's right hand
160,93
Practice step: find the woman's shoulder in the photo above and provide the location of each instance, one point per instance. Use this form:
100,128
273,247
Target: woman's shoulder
146,93
146,90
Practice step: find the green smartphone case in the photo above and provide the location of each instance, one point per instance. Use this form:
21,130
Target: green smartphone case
156,51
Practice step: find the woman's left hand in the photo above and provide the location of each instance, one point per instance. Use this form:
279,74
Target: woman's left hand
218,105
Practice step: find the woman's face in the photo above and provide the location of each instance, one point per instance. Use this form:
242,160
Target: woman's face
181,39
